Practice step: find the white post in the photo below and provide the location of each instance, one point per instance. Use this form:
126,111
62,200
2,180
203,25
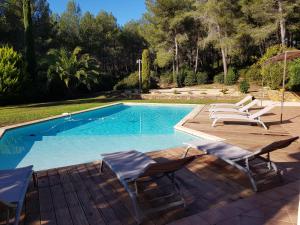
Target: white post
139,61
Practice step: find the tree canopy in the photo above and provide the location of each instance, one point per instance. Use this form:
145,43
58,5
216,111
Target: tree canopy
205,38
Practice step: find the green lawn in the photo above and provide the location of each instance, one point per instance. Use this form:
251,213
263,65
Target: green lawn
22,113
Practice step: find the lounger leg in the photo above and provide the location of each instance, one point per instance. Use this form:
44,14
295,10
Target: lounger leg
186,151
263,124
34,177
136,208
18,213
7,216
101,166
253,183
214,122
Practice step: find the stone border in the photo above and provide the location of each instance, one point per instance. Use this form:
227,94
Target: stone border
10,127
180,126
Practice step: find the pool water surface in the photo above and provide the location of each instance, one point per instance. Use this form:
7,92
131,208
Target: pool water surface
83,137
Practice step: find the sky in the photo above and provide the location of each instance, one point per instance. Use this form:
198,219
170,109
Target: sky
123,10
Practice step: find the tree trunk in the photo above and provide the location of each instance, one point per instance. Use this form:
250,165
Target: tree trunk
176,55
224,60
196,60
281,23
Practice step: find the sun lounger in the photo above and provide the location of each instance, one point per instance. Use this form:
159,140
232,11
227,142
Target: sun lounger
231,105
242,110
253,118
134,168
253,164
13,187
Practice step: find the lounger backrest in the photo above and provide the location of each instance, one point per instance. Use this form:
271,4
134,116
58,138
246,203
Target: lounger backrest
249,105
166,167
262,112
275,146
244,100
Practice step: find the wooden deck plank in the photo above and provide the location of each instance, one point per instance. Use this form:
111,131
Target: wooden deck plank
102,205
76,211
121,210
94,217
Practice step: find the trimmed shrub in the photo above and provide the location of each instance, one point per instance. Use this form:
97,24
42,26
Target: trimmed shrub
130,82
294,76
232,77
244,86
190,78
219,78
201,78
146,69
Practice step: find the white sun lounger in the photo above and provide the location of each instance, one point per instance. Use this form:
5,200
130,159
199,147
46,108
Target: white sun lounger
243,110
248,162
232,105
13,187
253,118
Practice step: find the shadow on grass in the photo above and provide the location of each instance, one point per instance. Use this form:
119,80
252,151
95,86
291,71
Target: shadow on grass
88,100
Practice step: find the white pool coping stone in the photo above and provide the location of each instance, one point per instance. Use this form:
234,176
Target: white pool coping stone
180,125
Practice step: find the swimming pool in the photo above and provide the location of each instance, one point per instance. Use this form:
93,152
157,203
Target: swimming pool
83,137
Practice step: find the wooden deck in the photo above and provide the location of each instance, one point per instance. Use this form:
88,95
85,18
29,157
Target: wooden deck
81,195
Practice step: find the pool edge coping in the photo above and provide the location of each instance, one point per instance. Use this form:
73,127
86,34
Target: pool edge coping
180,125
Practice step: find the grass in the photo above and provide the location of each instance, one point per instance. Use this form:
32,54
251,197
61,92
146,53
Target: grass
10,115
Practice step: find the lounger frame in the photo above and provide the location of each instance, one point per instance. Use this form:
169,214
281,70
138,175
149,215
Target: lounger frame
153,173
246,163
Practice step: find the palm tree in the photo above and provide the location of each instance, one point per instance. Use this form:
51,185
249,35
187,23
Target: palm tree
73,68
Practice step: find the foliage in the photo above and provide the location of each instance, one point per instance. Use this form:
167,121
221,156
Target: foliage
30,61
74,68
11,68
129,82
232,77
201,78
244,86
272,73
219,78
166,79
146,69
253,73
294,75
182,35
190,78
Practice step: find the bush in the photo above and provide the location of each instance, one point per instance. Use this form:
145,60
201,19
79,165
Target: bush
130,82
253,73
244,86
272,73
166,79
201,78
190,78
294,76
232,77
219,78
11,69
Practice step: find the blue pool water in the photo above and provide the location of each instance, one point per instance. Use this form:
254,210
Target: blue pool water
83,137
